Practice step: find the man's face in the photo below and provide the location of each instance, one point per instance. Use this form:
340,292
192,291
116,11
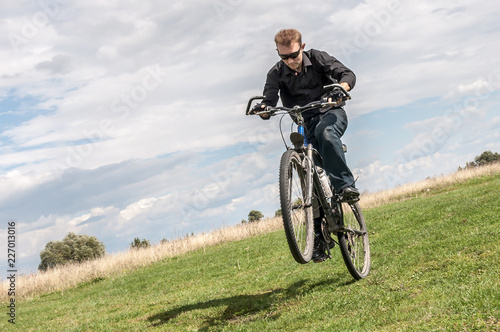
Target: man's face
286,51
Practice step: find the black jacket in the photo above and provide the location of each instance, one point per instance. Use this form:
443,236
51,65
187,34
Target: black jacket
319,69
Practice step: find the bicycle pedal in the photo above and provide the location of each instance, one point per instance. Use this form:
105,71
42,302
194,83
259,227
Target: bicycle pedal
322,259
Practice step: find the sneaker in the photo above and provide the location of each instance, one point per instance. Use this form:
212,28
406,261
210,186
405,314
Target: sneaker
319,250
349,195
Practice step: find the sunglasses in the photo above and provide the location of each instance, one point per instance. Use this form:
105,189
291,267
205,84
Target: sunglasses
291,55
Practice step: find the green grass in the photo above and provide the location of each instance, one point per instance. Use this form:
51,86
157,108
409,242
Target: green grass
435,267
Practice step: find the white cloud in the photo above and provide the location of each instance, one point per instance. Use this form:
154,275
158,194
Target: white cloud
137,208
378,176
480,88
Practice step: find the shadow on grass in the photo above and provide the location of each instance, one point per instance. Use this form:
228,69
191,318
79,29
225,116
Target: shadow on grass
239,308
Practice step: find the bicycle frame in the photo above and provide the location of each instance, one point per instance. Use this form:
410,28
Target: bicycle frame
299,140
334,222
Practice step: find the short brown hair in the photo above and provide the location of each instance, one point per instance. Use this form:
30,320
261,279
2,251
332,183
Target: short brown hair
287,36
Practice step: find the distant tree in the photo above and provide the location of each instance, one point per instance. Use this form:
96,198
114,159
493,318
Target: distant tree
255,215
243,221
278,213
73,248
485,158
137,243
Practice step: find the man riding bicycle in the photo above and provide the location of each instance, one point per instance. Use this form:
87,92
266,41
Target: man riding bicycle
299,79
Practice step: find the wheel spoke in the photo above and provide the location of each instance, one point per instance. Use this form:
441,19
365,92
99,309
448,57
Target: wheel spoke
355,246
298,214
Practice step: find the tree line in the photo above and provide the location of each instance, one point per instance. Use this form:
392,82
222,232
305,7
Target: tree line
485,158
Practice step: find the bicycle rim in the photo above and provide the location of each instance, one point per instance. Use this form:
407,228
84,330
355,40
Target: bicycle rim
353,242
297,217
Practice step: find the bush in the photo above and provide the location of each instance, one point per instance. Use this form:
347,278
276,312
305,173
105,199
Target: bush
72,249
487,157
137,243
255,215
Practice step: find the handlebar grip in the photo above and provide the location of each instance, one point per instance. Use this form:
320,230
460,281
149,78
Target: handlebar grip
336,85
250,102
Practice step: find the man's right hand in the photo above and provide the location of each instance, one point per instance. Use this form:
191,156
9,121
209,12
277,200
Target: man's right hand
259,108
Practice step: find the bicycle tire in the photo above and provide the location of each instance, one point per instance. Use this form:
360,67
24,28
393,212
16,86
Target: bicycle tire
297,217
354,244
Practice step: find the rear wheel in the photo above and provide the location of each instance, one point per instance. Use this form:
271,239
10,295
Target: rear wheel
353,242
297,215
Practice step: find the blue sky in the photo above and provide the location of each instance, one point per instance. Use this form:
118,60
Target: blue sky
124,119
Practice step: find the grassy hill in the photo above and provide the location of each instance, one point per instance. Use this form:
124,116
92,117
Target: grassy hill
435,266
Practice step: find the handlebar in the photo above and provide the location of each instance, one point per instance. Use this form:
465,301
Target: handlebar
300,109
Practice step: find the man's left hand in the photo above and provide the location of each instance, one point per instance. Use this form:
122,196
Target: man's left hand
335,96
345,86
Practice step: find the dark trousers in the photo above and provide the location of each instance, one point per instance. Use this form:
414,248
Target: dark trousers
324,132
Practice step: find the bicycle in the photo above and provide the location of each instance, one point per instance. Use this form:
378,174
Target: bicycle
305,188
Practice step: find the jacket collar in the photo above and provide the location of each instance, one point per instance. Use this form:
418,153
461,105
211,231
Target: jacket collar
305,63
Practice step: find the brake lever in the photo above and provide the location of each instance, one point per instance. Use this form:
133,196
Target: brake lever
347,96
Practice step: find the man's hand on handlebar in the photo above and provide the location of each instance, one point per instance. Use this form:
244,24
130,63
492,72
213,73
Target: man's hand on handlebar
346,86
261,107
335,96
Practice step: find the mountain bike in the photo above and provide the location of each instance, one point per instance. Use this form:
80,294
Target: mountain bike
305,190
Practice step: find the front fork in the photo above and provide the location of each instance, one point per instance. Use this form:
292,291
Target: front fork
309,166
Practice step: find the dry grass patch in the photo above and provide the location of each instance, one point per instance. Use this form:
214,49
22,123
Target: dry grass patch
67,276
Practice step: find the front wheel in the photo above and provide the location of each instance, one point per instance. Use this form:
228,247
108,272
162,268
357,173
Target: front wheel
353,241
296,206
